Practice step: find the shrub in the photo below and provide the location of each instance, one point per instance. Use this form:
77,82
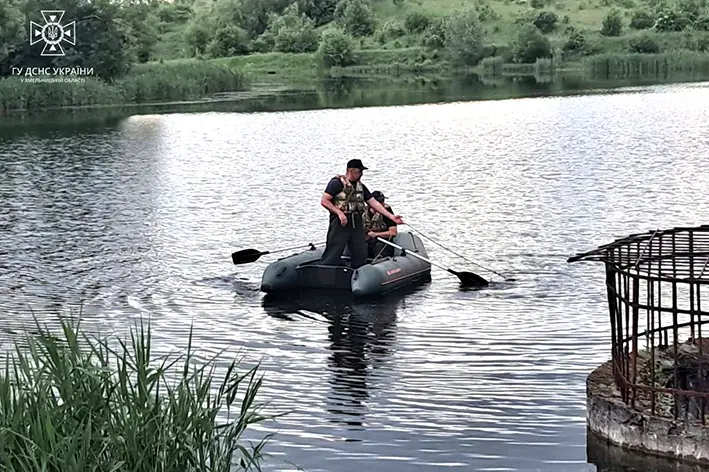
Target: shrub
435,35
320,11
464,37
525,17
77,403
416,22
486,13
644,44
641,20
228,41
393,29
702,23
538,3
670,20
612,24
197,36
336,48
691,9
576,44
546,21
531,45
356,17
174,13
291,32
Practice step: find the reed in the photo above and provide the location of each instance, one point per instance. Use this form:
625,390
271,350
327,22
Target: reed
146,83
635,65
180,80
75,403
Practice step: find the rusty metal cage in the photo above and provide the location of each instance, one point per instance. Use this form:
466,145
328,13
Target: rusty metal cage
655,285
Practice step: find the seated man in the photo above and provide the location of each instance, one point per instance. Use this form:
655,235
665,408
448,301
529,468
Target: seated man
377,225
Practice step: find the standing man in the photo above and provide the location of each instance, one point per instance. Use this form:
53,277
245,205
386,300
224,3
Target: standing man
345,199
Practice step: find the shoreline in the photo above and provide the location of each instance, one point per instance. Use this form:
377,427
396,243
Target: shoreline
264,75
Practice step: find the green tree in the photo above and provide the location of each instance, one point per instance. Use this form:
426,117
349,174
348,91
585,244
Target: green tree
228,41
198,36
142,30
356,17
12,25
320,11
612,24
336,48
530,45
291,32
464,37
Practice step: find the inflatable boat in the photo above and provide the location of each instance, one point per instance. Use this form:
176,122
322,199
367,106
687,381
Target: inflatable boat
379,276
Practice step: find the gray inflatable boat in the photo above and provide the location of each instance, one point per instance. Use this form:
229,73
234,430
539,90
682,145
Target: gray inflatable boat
303,271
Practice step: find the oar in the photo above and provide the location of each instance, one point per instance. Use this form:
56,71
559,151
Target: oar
250,255
467,279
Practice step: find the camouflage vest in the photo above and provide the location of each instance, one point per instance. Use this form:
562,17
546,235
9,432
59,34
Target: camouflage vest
375,222
350,199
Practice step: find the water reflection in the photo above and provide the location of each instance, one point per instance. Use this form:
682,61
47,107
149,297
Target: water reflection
333,93
362,341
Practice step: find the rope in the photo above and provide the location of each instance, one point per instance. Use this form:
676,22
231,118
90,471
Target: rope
459,255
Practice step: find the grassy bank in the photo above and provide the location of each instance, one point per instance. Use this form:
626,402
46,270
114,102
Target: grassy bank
186,50
77,403
154,82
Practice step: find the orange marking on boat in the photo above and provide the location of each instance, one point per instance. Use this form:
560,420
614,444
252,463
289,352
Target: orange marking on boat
394,271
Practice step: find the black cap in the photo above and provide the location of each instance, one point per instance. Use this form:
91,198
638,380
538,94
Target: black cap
356,164
378,196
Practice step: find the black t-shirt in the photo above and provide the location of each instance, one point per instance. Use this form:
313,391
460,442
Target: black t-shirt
388,222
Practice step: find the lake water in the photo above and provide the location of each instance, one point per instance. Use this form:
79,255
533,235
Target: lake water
137,215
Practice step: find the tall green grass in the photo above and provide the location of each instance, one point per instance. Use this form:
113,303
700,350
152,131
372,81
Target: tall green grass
664,65
74,404
157,82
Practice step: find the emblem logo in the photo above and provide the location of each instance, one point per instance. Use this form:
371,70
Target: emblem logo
53,33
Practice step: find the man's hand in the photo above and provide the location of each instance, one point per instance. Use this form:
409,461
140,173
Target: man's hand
371,235
343,218
397,219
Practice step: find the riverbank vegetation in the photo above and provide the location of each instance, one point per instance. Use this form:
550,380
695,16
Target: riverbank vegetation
132,45
79,403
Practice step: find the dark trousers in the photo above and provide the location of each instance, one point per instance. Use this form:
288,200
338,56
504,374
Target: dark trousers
339,237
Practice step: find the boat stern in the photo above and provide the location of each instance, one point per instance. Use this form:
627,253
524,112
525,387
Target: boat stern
282,275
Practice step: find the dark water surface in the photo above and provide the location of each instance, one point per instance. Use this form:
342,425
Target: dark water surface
138,215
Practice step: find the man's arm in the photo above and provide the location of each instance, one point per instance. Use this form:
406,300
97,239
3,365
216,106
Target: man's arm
390,232
326,201
379,208
334,187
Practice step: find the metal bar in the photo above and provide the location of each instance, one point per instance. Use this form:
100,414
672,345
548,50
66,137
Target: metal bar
636,295
649,243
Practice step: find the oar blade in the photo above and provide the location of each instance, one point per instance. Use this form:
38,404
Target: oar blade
245,256
469,279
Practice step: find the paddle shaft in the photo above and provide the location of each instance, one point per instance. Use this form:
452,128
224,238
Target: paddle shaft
466,278
263,253
246,256
412,253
